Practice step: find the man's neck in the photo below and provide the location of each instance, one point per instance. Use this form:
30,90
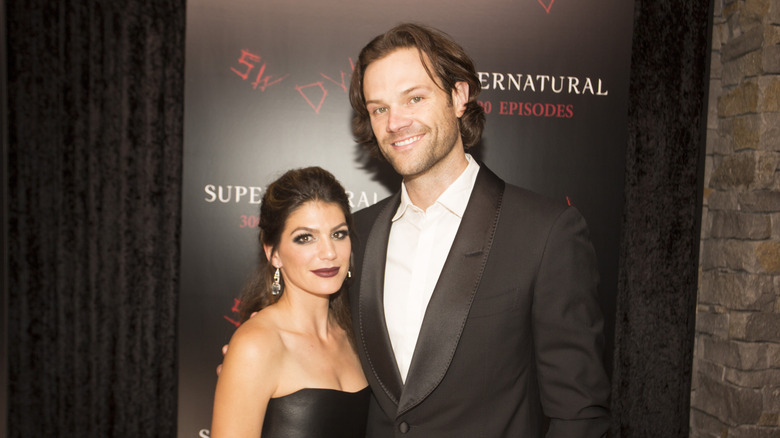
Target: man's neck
425,189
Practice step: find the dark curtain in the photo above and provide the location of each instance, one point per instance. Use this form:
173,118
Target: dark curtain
657,280
95,98
95,91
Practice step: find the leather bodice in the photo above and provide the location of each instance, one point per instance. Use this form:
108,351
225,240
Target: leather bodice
317,413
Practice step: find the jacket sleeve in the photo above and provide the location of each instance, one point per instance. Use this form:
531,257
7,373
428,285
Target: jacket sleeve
568,332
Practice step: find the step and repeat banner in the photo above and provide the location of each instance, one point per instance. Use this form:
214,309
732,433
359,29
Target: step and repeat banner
266,91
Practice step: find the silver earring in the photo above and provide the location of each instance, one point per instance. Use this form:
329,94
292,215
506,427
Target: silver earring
276,287
349,273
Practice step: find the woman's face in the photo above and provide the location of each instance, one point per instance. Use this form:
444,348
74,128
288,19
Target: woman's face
314,249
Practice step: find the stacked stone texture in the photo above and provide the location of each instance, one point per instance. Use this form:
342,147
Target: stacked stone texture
736,372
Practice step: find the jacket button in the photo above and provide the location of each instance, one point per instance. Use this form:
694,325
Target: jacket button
403,427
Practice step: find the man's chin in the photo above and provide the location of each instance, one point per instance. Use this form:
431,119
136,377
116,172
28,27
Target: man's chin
410,172
405,163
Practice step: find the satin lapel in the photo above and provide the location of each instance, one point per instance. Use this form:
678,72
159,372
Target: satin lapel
449,307
372,328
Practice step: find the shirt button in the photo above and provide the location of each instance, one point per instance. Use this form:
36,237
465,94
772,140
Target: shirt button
403,427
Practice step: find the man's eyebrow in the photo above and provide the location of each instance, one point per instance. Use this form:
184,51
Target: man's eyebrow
406,92
411,90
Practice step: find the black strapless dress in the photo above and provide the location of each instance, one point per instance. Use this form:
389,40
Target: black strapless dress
317,413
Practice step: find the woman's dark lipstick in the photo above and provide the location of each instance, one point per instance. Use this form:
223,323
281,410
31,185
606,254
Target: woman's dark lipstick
326,272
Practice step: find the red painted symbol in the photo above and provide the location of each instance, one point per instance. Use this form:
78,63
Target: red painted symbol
249,60
315,93
546,6
234,309
306,94
343,83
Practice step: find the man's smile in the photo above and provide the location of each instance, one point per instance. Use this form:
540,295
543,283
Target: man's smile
407,141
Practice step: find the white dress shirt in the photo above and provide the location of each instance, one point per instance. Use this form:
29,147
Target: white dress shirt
419,244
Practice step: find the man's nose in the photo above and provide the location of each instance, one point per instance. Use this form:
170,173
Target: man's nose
397,120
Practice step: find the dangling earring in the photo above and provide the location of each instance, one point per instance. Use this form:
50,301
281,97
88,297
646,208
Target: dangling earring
276,287
349,273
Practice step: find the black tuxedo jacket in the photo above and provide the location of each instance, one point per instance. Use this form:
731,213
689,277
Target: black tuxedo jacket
512,333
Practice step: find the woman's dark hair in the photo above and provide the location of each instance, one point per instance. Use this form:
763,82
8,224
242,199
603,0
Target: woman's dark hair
285,195
446,63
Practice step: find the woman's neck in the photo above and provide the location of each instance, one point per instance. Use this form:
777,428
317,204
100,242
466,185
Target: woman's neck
307,313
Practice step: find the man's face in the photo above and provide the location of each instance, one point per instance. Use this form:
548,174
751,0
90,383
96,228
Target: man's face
415,122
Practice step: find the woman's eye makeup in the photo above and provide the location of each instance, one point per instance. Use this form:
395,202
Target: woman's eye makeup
303,238
341,234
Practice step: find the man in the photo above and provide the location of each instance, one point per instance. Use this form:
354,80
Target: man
474,302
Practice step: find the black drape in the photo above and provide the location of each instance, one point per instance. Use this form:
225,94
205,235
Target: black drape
95,91
657,280
94,158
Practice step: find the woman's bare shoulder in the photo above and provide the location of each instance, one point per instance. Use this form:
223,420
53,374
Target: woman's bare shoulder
258,336
249,378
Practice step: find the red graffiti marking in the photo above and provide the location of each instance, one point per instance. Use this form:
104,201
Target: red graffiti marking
242,60
321,98
314,93
234,309
249,59
317,107
265,80
343,83
546,6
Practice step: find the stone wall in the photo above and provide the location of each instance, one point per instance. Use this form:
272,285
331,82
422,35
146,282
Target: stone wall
736,370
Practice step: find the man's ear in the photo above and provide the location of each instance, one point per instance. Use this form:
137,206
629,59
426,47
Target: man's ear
460,96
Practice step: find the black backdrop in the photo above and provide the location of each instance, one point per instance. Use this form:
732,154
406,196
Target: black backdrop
94,153
259,72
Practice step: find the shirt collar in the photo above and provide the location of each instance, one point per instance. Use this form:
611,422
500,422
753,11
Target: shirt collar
455,198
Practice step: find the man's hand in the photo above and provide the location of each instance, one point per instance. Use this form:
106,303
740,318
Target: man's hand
224,352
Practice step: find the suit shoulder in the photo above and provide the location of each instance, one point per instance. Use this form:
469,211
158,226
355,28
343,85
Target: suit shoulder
529,200
536,210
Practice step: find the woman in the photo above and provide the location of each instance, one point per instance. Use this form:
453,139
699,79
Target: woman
292,370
